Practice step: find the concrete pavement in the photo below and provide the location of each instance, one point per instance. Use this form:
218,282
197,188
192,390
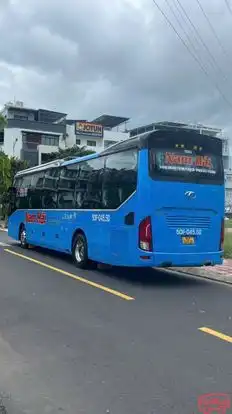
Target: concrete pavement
222,273
73,347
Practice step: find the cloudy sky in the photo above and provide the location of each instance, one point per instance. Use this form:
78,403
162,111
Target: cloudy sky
88,57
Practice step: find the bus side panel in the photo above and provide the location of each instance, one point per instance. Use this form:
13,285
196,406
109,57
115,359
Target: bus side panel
123,233
14,222
93,224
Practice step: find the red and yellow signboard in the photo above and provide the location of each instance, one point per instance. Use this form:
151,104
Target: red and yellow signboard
89,128
185,160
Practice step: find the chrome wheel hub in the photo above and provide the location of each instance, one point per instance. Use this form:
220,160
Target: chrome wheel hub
23,237
79,251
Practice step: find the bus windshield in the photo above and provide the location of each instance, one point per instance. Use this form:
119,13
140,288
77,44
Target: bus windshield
189,162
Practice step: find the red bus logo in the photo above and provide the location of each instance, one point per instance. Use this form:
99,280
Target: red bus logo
214,403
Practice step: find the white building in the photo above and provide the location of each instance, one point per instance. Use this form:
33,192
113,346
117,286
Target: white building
202,129
97,134
31,134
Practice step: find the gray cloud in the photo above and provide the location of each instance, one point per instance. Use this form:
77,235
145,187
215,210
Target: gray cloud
120,57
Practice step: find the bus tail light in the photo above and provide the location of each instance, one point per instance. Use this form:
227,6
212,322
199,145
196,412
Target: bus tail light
221,247
145,234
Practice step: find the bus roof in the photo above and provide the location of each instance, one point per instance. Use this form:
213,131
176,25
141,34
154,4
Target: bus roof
135,142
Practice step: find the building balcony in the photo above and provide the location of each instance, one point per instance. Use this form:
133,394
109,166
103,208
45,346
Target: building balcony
36,126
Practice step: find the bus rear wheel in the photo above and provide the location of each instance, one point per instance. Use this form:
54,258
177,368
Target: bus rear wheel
80,251
23,237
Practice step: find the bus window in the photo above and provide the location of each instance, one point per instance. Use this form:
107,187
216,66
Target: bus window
17,185
66,187
89,184
23,192
120,178
49,198
35,191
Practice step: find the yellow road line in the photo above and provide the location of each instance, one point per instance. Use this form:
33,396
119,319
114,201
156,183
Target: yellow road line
219,335
71,275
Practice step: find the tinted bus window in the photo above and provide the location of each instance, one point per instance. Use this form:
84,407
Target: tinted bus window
66,187
49,197
23,192
120,178
17,184
89,184
196,161
35,191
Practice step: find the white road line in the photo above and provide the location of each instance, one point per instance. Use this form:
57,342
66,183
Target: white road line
2,244
1,229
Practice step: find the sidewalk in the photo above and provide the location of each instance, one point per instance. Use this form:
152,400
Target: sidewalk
221,273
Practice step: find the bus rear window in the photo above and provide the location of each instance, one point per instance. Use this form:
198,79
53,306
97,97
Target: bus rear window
190,165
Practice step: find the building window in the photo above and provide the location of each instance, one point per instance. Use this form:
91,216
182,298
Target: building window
78,142
52,140
31,140
21,117
91,143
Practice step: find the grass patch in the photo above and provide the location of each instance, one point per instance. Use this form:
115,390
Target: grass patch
228,224
228,246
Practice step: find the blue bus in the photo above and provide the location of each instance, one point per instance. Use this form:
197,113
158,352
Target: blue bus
153,201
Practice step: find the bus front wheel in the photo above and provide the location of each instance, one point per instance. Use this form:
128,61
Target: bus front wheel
23,237
80,251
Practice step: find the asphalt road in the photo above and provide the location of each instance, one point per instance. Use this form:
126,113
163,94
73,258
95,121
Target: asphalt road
128,342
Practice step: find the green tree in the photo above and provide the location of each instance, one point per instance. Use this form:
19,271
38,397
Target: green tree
3,122
5,182
16,166
5,173
68,152
8,168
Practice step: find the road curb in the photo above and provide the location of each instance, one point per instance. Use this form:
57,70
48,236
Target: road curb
215,277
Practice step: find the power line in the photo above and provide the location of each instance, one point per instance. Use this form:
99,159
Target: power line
183,29
213,30
191,53
201,40
228,6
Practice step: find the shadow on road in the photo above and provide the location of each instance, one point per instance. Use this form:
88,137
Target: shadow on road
134,276
155,277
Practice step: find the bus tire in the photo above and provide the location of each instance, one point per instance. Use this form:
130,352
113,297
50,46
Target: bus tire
23,237
80,251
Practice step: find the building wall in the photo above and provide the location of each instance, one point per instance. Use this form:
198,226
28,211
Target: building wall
36,126
13,142
109,138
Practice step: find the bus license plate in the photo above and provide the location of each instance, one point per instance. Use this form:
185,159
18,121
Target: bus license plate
188,240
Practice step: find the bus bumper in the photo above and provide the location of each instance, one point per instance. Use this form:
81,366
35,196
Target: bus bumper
180,260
